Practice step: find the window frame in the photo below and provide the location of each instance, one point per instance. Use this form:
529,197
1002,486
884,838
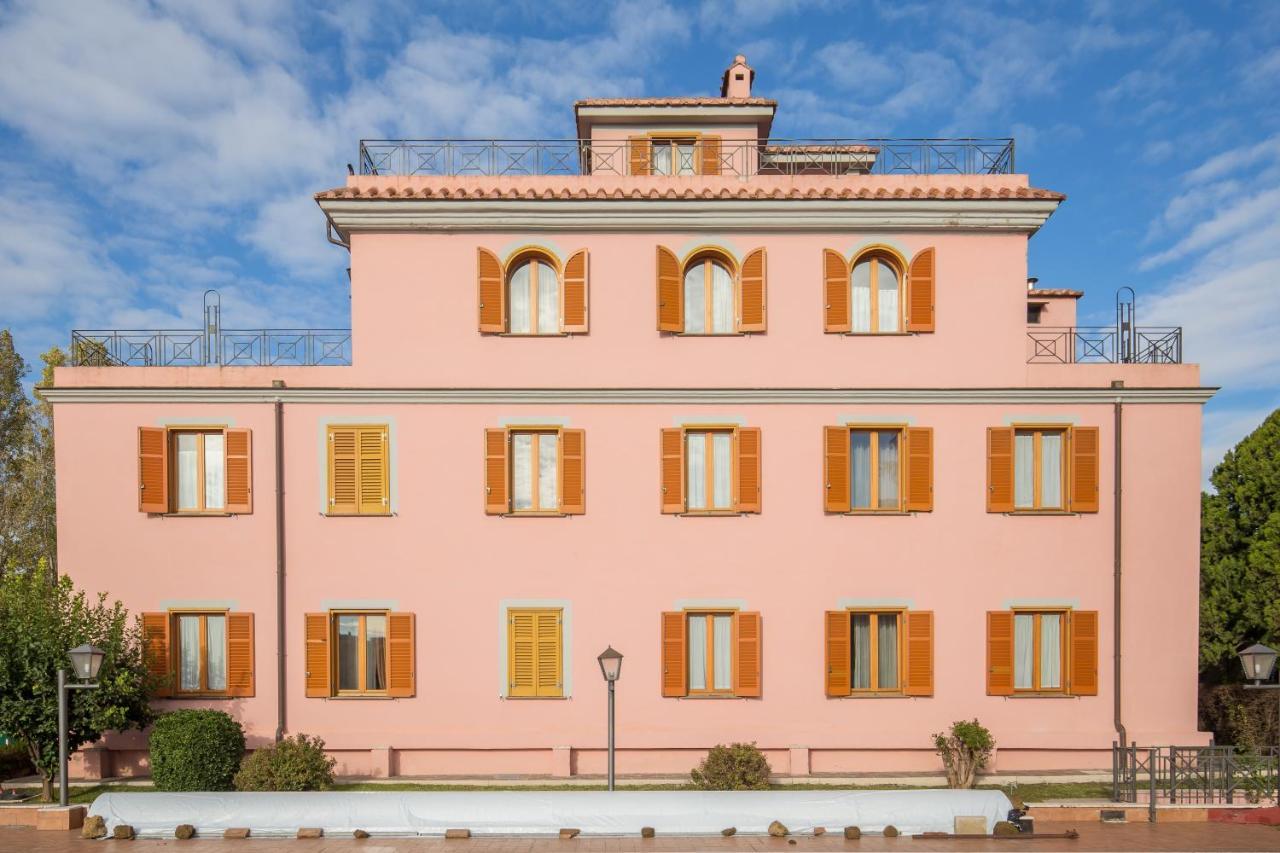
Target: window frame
385,429
175,653
1035,313
1064,645
708,255
673,140
530,254
899,614
890,256
535,431
709,468
709,613
1064,469
171,448
875,429
335,691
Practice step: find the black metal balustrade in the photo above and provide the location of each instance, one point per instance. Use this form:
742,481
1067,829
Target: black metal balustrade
1194,774
1105,345
223,347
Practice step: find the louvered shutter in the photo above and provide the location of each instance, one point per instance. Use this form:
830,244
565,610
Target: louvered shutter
674,681
155,646
919,491
547,640
752,293
835,473
374,491
919,680
835,284
401,675
670,292
638,148
577,287
240,651
750,493
153,469
748,651
522,653
573,471
710,148
999,653
317,655
839,649
1084,469
343,466
495,471
239,468
490,292
920,292
1000,469
1083,629
673,470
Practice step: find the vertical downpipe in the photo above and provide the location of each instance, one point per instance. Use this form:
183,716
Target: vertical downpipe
280,608
1117,599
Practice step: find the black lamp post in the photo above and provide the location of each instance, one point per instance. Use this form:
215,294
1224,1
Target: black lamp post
610,668
1259,661
86,660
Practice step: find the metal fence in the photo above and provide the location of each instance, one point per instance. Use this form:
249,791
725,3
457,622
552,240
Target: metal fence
1105,345
1193,774
224,347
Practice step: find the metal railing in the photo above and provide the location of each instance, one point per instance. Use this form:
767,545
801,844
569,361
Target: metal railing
1105,345
1193,774
744,158
224,347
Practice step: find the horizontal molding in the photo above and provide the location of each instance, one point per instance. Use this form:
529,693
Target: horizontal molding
634,396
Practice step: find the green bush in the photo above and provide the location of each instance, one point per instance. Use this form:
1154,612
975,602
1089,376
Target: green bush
964,751
15,761
296,763
195,750
736,767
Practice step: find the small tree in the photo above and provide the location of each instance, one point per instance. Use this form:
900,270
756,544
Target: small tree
42,618
964,751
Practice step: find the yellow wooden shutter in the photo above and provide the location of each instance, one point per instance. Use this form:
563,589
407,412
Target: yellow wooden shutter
239,468
835,283
317,655
710,150
1083,672
670,292
674,681
522,653
375,494
748,651
401,666
343,471
153,469
547,639
752,293
839,652
155,646
240,651
999,653
835,474
750,493
673,470
491,293
919,491
495,471
920,292
1084,469
577,288
573,471
999,469
919,631
638,148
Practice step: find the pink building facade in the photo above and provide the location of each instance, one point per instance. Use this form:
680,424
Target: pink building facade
780,422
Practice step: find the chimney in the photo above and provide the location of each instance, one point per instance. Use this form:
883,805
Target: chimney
737,79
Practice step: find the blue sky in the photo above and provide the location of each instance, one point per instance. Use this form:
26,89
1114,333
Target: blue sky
150,150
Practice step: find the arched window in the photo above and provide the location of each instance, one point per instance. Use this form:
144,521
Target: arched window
710,304
876,302
533,297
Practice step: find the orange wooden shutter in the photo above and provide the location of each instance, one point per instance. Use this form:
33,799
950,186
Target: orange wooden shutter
710,155
748,649
839,648
673,470
400,655
317,655
919,493
999,469
919,680
343,464
674,682
576,291
999,652
240,680
1084,652
491,293
749,489
547,639
920,292
835,474
153,469
835,278
239,466
522,653
495,471
375,494
155,646
573,471
1084,469
752,293
639,157
670,292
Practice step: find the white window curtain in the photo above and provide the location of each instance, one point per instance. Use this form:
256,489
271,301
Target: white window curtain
1050,651
349,652
722,467
697,653
722,651
548,299
861,651
1051,469
695,301
189,664
216,644
522,471
722,307
887,298
188,467
860,464
519,301
860,309
696,470
1023,651
548,482
661,158
375,653
1024,470
887,651
215,490
888,442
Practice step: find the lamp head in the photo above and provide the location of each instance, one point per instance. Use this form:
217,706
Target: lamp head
610,664
86,660
1258,662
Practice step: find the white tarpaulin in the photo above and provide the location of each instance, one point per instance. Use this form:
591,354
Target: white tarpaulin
546,812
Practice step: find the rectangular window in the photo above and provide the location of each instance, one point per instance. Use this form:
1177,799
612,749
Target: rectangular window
199,471
875,464
1034,312
360,653
710,652
1039,457
359,470
534,653
201,652
875,651
535,471
1038,651
673,156
709,470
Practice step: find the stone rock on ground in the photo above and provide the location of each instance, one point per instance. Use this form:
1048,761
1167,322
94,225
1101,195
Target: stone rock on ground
1005,829
94,827
852,832
570,833
777,830
891,831
236,832
123,832
310,832
184,831
360,833
728,831
819,830
457,833
646,832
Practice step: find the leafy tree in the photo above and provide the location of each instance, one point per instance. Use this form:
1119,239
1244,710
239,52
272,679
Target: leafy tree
15,448
43,618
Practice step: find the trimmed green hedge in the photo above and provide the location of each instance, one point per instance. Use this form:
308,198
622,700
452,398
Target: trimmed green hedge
196,750
296,763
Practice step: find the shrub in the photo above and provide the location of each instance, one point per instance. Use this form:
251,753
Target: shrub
296,763
14,761
1238,717
964,751
736,767
195,750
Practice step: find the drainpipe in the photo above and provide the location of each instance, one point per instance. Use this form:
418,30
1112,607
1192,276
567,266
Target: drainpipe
280,631
1117,601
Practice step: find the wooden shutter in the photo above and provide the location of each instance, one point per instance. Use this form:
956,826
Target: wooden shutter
343,476
490,292
547,640
752,293
239,467
710,149
522,653
674,681
577,287
1084,469
920,292
919,491
670,292
1083,629
375,496
1000,469
999,653
573,471
240,679
400,655
747,649
919,678
749,490
153,469
495,471
839,648
835,473
673,470
317,655
835,278
155,647
638,148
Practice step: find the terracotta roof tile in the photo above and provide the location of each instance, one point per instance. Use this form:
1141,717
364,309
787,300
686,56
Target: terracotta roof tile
694,101
820,149
692,193
1051,292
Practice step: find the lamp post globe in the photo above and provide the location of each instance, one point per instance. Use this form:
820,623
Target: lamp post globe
1258,662
610,664
86,660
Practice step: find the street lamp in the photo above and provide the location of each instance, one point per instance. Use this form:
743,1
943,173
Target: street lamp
86,660
1258,662
610,668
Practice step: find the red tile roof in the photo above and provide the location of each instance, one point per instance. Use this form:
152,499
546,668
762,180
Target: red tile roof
695,101
1052,292
700,193
820,149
